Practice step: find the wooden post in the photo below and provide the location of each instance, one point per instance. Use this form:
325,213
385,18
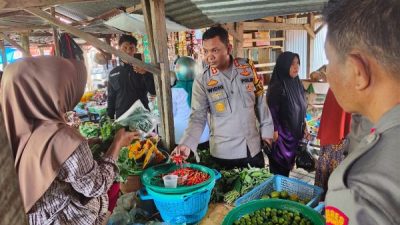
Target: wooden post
238,41
160,31
3,54
157,79
310,44
11,207
25,43
93,41
14,43
55,34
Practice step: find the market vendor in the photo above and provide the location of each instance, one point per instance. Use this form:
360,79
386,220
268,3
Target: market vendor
127,83
60,183
231,92
363,50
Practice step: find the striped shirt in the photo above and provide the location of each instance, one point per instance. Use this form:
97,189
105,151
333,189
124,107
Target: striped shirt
78,195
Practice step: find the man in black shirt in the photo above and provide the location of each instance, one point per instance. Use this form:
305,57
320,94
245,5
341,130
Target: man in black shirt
127,83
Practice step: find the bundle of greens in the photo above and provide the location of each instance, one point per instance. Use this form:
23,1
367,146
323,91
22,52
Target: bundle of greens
237,182
127,166
89,129
107,132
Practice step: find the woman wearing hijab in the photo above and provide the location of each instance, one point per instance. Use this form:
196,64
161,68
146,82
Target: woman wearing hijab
182,99
287,103
60,182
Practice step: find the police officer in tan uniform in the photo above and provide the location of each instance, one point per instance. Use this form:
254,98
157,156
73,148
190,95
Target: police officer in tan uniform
231,93
363,49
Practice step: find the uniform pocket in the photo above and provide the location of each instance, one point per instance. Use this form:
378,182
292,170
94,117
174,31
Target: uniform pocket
219,104
248,96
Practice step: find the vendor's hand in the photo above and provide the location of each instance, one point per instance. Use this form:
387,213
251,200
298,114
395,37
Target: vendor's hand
181,150
139,70
276,135
268,141
122,138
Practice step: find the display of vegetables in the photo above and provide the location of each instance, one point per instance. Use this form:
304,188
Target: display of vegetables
138,156
237,182
190,176
271,216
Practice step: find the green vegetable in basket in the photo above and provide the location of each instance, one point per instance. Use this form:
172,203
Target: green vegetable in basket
240,180
284,194
275,194
268,216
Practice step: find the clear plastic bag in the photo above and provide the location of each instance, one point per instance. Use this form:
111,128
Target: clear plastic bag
138,118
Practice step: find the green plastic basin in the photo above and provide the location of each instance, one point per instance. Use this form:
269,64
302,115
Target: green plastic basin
280,204
151,178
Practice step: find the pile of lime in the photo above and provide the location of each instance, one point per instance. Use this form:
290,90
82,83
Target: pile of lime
287,196
271,216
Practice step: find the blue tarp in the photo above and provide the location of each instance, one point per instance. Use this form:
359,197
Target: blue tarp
9,55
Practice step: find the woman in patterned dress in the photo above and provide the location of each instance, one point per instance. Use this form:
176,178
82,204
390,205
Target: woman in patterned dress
60,183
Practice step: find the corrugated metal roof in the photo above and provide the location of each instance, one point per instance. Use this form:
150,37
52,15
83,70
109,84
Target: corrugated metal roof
202,13
189,13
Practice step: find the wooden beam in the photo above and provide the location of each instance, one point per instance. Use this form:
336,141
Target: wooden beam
3,54
231,30
310,43
93,40
319,28
238,42
20,4
104,16
41,34
267,46
55,34
153,56
272,26
25,43
264,65
11,207
14,43
134,8
23,29
160,31
310,31
277,39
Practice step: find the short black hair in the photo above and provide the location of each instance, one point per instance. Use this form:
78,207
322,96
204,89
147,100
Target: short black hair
217,31
127,38
369,25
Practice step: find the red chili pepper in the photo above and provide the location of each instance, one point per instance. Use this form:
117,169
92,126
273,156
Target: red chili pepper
178,160
193,176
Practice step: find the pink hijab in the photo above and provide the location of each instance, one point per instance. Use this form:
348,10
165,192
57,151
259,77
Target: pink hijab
36,93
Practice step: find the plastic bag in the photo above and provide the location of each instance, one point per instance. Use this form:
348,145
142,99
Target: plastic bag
138,118
304,158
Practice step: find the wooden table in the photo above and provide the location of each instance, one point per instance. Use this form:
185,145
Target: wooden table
215,214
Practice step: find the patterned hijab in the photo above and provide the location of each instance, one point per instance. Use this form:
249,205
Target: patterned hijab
36,93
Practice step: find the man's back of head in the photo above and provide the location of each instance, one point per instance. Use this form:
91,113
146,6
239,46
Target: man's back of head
363,49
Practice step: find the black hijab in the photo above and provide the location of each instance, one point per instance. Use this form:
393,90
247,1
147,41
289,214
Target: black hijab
287,94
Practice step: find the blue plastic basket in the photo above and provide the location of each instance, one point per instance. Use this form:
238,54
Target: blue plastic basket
181,208
281,183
